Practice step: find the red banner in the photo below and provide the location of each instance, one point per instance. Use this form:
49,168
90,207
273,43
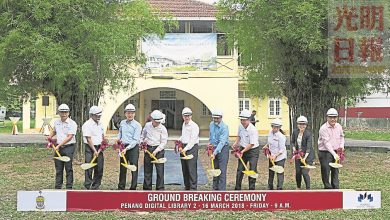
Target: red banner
203,200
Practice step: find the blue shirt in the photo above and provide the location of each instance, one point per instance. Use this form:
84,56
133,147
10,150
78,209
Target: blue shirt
219,136
130,133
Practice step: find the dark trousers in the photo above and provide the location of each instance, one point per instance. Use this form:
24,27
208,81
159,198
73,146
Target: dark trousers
148,170
220,162
325,158
190,169
299,172
271,175
93,176
132,158
67,150
252,156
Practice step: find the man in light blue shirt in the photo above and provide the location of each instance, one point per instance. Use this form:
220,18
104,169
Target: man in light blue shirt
219,139
129,134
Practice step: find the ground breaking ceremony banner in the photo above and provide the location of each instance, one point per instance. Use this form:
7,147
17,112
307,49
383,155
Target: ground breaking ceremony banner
181,52
62,200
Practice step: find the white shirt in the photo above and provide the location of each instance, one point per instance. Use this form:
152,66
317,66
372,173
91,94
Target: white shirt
189,135
248,135
94,130
299,140
155,136
277,144
62,130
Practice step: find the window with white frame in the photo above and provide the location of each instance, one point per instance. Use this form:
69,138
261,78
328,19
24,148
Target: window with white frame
274,106
244,102
205,110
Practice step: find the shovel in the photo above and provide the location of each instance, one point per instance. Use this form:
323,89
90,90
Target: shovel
336,164
250,173
125,164
276,168
86,166
155,160
186,157
59,157
305,165
212,171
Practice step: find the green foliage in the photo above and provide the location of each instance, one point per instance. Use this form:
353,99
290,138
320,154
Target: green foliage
73,49
284,52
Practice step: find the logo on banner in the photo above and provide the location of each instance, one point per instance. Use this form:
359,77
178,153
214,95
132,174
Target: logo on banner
40,200
365,198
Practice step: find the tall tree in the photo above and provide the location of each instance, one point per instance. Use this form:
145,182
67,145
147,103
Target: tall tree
284,52
73,49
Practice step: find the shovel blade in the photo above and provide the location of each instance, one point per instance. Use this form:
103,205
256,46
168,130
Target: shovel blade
251,173
188,157
335,165
86,166
161,160
215,172
130,167
277,169
63,158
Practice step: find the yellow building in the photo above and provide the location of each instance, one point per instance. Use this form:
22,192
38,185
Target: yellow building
201,84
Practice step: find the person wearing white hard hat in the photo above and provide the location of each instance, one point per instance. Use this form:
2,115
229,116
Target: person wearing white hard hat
302,144
190,139
331,138
219,140
93,136
129,134
247,142
276,143
155,135
65,130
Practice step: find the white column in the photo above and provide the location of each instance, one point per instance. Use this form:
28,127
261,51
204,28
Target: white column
26,114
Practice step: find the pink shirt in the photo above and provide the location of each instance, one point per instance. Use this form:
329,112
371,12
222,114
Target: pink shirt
331,138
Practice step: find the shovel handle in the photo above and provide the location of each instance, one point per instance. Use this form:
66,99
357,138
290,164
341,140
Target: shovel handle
58,153
184,153
93,159
303,162
124,158
212,164
151,155
242,161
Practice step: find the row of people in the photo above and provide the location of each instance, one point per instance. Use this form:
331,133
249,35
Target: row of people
154,136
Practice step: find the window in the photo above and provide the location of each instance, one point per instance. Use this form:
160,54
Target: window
202,26
205,110
274,107
167,95
223,47
244,101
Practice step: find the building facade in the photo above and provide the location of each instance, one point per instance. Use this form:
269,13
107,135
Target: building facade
191,67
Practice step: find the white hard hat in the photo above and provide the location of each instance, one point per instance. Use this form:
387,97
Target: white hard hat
186,111
302,119
276,122
157,115
63,108
95,110
332,112
130,108
245,114
216,113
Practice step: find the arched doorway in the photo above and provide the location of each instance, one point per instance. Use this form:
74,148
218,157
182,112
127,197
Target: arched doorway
169,101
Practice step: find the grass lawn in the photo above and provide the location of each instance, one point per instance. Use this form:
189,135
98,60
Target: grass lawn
33,169
368,135
8,126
